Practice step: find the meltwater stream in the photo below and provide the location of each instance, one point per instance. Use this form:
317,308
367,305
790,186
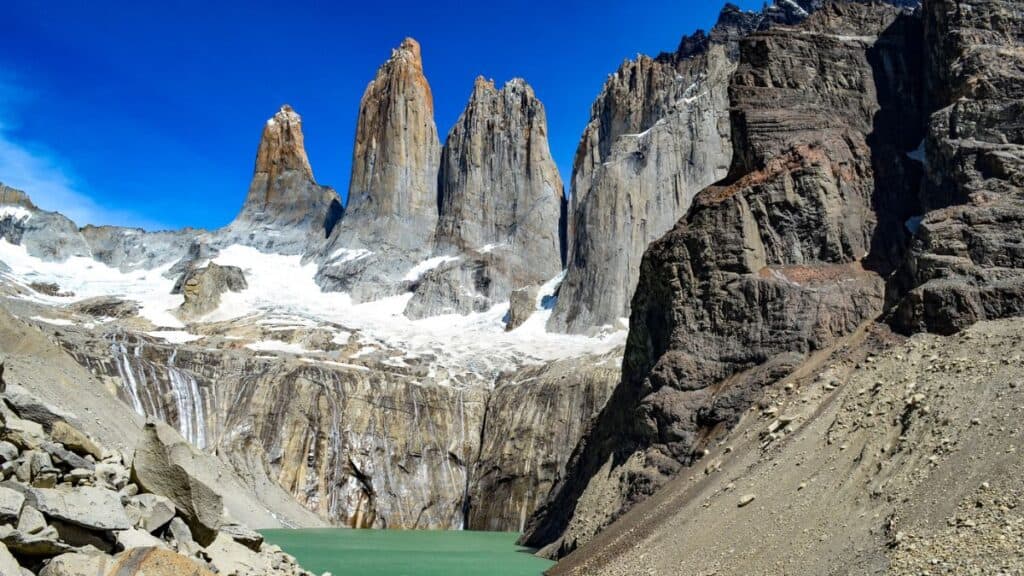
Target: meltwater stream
408,552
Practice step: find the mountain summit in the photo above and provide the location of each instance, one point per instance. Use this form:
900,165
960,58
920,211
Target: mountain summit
285,210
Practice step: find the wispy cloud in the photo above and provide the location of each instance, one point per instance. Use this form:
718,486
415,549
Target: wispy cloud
46,177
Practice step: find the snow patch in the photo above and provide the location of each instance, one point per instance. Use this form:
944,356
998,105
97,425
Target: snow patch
422,268
795,7
282,291
919,155
17,213
174,336
343,255
277,346
54,321
338,364
491,248
913,223
87,278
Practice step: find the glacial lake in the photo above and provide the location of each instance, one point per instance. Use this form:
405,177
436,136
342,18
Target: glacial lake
408,552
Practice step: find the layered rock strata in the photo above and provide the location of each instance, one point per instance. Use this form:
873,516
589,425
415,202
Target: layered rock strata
966,263
768,266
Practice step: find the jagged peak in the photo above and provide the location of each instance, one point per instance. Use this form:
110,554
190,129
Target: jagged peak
408,51
282,145
484,87
482,84
14,197
286,115
517,83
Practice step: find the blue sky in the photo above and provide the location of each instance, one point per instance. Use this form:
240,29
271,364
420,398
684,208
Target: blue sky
149,113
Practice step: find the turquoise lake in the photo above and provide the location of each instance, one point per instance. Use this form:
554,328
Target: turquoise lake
408,552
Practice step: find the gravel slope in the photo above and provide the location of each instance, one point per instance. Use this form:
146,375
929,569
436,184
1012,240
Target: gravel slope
884,455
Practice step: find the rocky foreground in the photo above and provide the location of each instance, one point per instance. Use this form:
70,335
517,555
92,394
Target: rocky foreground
70,507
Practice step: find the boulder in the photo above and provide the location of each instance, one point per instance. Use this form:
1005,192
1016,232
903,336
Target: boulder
156,470
8,451
112,474
86,506
181,537
10,504
43,544
106,307
75,440
66,458
77,564
80,537
521,306
128,539
244,535
31,521
3,384
29,407
24,434
230,557
202,287
8,565
156,562
150,512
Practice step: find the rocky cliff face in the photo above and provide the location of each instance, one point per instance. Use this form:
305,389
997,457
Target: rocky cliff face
768,266
534,418
965,263
53,237
368,442
501,203
286,211
392,201
658,134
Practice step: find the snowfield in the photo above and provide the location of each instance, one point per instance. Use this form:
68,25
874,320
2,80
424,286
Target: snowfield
283,294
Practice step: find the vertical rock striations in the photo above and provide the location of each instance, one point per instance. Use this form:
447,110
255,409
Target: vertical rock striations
658,134
501,204
534,418
286,210
392,201
767,267
394,164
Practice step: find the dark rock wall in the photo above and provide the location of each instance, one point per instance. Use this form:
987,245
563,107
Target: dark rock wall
768,266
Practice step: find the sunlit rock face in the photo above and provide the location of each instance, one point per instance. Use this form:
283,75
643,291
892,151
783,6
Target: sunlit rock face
783,257
392,200
658,134
501,204
380,440
285,211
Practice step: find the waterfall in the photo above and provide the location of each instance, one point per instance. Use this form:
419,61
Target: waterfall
189,403
145,383
127,374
